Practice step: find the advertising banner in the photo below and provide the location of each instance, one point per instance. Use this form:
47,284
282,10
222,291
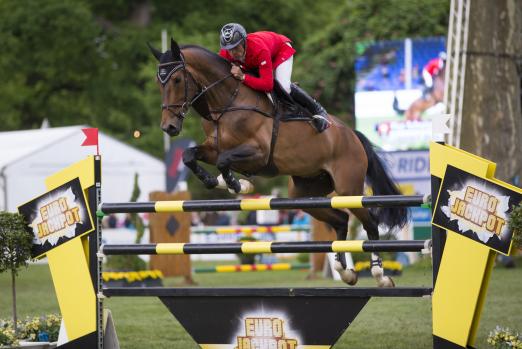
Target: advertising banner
476,208
57,216
400,87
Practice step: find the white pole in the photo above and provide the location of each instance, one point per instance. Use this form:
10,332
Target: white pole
407,62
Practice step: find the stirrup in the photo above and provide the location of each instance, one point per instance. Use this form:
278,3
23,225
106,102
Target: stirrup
320,123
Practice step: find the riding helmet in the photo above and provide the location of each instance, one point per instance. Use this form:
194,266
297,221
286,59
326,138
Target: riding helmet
232,34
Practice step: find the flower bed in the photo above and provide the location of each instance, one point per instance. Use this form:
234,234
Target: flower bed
142,278
37,332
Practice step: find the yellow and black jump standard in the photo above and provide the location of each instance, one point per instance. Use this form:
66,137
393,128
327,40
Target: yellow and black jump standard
471,212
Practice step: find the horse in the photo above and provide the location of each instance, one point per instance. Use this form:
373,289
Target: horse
429,99
243,135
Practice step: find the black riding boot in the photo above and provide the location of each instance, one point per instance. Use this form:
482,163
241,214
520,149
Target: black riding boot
319,114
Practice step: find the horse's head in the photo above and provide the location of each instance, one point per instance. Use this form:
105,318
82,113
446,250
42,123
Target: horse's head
176,86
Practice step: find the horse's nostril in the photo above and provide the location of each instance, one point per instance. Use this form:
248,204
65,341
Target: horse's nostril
170,130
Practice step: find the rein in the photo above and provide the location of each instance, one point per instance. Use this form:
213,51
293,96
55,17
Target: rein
185,106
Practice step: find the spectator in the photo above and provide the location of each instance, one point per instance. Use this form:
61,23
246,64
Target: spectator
112,221
301,218
223,219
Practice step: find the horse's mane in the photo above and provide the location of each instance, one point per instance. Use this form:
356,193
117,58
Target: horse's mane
216,60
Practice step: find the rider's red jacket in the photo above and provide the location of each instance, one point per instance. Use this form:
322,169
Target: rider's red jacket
264,52
433,67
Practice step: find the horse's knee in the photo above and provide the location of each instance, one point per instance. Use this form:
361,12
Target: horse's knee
189,156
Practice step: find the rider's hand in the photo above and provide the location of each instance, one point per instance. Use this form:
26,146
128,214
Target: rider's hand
237,73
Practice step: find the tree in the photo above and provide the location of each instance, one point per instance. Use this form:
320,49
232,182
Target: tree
491,115
50,55
15,249
326,66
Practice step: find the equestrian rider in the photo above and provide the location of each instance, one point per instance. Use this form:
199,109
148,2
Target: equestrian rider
432,69
271,55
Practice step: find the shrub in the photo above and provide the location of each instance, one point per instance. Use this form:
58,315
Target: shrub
515,224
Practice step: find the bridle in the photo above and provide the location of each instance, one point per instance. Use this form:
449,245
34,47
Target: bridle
185,106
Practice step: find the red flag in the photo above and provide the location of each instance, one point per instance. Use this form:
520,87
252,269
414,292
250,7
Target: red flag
91,137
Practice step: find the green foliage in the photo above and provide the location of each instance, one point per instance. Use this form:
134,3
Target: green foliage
125,263
303,257
15,242
86,61
515,224
326,65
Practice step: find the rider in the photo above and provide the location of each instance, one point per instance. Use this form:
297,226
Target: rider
270,54
432,69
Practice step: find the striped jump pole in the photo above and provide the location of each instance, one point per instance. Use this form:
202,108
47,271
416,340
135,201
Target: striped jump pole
269,247
248,229
264,204
252,268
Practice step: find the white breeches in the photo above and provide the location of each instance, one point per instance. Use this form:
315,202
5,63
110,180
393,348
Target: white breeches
428,79
283,74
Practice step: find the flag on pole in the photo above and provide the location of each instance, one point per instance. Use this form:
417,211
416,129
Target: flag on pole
91,138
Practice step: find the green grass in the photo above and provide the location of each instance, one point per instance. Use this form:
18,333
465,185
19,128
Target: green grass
383,323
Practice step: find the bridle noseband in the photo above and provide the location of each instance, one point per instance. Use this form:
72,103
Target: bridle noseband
185,106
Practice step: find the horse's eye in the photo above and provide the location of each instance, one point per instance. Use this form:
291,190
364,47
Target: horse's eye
177,79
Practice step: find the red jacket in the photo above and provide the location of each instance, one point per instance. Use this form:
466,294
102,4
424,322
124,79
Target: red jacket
264,51
433,67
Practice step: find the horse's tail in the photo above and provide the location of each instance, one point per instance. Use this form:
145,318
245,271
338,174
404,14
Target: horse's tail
396,107
382,184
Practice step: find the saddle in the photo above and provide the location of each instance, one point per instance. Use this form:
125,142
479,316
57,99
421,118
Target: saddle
287,108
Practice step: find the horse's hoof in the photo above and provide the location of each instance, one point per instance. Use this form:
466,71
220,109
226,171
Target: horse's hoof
385,281
348,276
210,182
245,187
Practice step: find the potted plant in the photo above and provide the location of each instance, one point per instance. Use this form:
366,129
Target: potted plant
15,250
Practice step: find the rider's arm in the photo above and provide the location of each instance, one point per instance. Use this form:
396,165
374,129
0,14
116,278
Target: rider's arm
265,81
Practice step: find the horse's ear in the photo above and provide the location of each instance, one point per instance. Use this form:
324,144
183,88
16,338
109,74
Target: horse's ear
155,52
174,47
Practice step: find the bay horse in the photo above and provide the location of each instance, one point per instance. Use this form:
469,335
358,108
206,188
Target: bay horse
239,124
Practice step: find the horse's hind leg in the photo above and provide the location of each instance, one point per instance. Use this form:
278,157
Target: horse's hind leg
350,182
370,225
337,219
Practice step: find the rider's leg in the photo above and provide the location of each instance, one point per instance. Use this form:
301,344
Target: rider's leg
283,74
303,98
320,121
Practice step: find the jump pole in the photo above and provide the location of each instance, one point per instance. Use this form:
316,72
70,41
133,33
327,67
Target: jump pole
462,265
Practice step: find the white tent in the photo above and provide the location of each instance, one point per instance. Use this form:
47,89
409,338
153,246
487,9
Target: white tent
28,157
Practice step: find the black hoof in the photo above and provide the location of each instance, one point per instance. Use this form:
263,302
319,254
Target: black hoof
235,186
210,182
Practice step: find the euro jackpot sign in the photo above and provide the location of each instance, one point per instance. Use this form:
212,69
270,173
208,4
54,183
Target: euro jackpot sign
476,208
57,216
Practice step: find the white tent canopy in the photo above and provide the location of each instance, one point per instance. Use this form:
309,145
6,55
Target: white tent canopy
28,157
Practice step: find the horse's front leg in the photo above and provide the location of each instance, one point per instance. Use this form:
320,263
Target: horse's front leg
235,157
205,153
